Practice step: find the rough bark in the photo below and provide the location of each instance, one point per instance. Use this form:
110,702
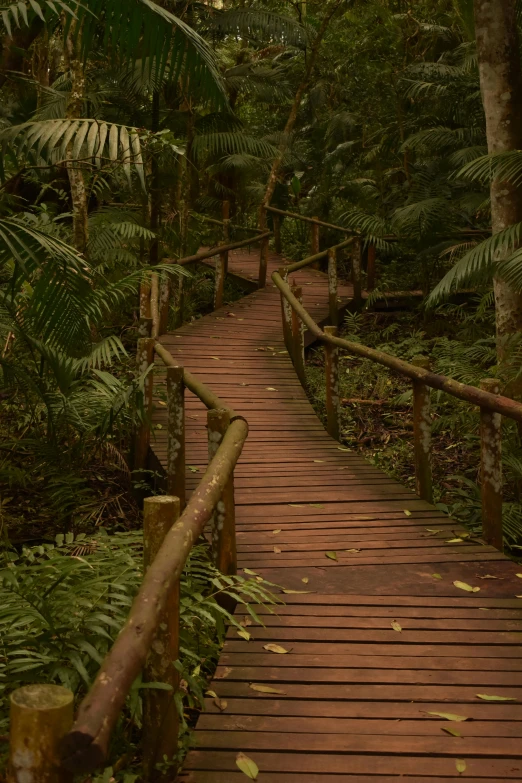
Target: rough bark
501,88
292,117
74,110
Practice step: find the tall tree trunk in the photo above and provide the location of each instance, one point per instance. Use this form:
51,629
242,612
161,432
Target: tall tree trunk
501,88
74,110
292,117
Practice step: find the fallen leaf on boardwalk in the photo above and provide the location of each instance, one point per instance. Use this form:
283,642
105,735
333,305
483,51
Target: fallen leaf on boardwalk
264,688
434,530
244,384
221,704
486,609
408,513
449,716
341,448
491,697
259,349
259,579
231,315
240,319
455,541
296,505
211,693
275,532
396,626
161,402
322,460
244,634
215,357
270,388
192,468
275,648
248,571
437,576
224,673
518,596
466,587
305,580
247,766
331,555
245,622
316,505
519,576
487,576
277,550
461,766
294,592
449,730
352,550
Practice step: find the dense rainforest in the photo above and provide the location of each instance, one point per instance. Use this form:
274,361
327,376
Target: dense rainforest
128,131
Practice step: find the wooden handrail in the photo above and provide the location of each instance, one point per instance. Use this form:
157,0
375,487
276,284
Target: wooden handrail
313,221
318,256
472,394
217,222
217,249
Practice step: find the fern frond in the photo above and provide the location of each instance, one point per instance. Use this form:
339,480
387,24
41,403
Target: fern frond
261,24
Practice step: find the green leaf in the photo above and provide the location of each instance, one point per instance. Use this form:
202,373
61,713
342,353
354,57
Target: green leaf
491,697
247,766
461,766
331,555
449,716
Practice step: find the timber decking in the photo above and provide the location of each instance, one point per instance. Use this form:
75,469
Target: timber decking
353,693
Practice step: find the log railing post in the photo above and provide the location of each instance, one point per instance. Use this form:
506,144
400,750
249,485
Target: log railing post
286,313
145,327
221,271
491,469
263,262
277,233
332,286
298,356
370,268
223,523
41,715
181,301
422,434
164,304
356,272
160,715
145,306
331,367
144,358
176,434
154,303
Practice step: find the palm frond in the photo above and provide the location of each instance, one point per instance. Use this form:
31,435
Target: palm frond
506,166
261,24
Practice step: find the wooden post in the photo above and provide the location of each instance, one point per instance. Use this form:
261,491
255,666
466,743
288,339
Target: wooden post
164,304
491,469
370,268
331,367
223,523
332,286
145,357
221,271
160,716
422,434
356,272
154,303
286,313
298,356
144,327
41,715
263,262
145,308
277,233
314,243
181,302
176,434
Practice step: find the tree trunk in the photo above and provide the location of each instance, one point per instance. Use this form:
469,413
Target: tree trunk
74,110
501,89
314,51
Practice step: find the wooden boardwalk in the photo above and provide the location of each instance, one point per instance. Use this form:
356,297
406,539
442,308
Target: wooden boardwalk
353,694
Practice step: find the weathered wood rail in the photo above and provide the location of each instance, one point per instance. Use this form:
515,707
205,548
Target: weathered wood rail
394,616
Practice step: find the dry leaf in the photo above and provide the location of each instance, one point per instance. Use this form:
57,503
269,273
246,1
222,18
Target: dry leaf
295,592
466,587
487,576
408,513
490,697
316,505
275,532
211,693
341,448
296,505
222,674
396,626
331,555
519,576
277,550
221,704
270,388
449,716
305,580
437,576
245,622
318,460
215,357
461,766
449,730
275,648
247,766
264,688
352,550
244,634
455,541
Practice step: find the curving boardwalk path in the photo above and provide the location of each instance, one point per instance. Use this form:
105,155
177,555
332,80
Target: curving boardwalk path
353,692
